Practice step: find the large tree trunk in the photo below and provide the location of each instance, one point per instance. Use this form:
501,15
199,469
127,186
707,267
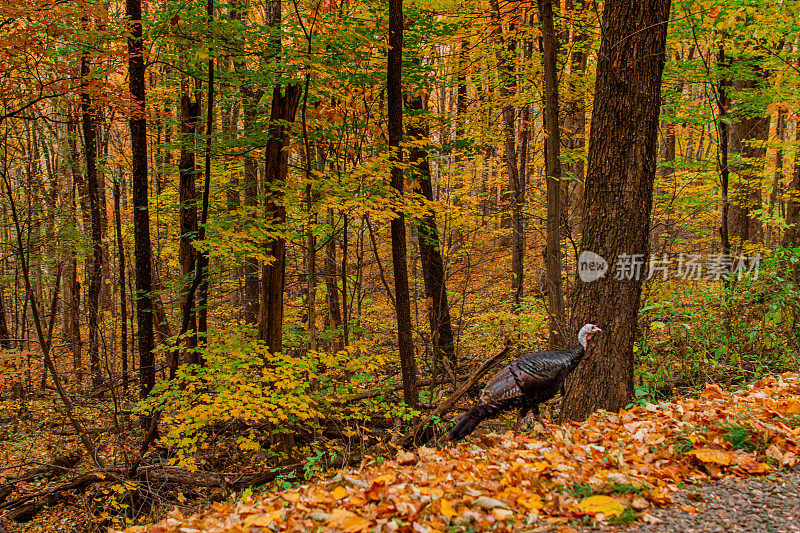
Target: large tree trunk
430,249
270,313
619,194
95,273
408,363
555,291
141,213
506,50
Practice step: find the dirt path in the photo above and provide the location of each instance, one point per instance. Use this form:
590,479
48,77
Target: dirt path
756,504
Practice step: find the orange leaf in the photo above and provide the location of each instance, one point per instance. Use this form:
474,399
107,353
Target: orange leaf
447,508
709,455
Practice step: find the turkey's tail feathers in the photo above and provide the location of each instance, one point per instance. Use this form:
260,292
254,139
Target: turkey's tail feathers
471,419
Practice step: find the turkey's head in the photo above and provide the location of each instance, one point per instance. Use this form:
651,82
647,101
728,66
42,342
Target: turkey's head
587,332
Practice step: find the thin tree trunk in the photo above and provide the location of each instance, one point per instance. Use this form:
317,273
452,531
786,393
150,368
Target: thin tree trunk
575,118
96,264
5,338
202,260
141,213
430,249
724,134
187,190
773,237
619,193
123,298
791,237
748,135
270,313
408,363
555,291
250,97
506,50
331,282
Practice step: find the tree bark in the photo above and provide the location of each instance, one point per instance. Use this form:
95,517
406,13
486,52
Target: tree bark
408,363
748,136
5,338
95,273
141,213
187,190
123,297
204,288
506,50
619,193
270,313
791,237
250,112
555,291
724,135
575,118
775,195
430,248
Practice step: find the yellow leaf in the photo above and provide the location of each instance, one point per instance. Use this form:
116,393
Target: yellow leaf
339,492
532,503
788,407
447,508
708,455
262,519
347,521
601,504
385,479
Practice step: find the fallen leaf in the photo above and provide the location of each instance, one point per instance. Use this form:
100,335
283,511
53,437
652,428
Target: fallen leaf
601,504
339,493
487,503
347,521
447,508
262,519
639,503
502,514
713,391
406,458
709,455
647,518
773,452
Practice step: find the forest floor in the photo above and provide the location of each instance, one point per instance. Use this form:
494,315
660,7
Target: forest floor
723,461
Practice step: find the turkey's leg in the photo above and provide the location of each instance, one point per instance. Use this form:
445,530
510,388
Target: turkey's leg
539,418
522,413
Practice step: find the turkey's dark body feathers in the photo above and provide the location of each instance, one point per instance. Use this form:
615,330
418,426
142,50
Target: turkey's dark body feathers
531,379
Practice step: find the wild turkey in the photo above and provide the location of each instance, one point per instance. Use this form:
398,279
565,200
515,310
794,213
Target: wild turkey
530,380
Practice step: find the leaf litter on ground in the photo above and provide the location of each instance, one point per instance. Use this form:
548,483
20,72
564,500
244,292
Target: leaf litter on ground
613,466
